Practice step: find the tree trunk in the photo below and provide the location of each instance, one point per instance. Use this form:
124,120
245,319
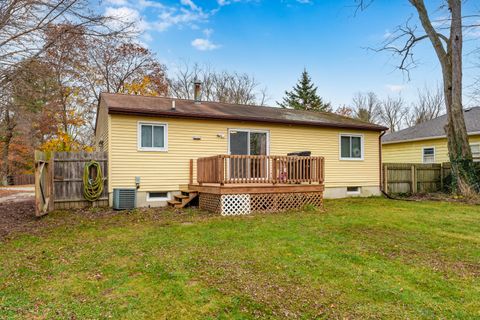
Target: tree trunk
457,137
464,179
6,148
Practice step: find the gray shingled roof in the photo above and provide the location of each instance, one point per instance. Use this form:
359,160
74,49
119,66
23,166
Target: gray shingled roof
434,128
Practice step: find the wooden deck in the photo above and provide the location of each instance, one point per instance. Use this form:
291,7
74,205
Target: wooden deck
240,184
249,188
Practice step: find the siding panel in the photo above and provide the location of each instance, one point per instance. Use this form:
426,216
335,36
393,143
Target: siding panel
411,152
165,171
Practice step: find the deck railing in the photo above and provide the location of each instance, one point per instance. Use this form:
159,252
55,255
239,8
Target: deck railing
226,169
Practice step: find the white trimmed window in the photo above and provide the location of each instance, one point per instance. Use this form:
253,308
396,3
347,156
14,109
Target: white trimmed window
158,196
428,155
152,136
475,151
353,190
351,147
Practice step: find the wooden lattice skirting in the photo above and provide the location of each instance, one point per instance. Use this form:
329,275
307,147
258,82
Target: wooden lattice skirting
210,202
237,204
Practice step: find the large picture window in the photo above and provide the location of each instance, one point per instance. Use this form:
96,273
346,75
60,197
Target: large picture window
152,136
351,147
429,155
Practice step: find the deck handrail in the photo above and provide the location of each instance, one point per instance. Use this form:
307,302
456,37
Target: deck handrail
231,169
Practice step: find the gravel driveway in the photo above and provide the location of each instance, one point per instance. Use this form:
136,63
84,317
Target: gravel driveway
17,209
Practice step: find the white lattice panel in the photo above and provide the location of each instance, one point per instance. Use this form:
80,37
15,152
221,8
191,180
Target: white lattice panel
235,204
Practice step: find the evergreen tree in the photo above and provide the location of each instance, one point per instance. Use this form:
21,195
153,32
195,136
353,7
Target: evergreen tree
304,96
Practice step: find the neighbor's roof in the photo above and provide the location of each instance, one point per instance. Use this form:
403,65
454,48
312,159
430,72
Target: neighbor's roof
434,128
160,106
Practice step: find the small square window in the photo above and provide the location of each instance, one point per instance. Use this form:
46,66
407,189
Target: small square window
353,190
428,155
158,196
152,137
351,147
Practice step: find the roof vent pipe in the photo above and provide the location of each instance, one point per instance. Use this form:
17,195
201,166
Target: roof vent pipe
173,105
197,90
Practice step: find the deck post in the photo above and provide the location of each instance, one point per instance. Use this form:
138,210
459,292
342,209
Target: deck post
221,170
190,174
274,170
322,180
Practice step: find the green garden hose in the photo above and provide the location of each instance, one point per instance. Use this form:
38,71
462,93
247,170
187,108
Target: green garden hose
92,188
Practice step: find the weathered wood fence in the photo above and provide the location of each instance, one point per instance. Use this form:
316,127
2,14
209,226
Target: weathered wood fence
415,177
59,180
412,177
21,179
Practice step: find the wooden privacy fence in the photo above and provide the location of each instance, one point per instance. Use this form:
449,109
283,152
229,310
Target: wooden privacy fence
59,180
417,177
21,179
414,177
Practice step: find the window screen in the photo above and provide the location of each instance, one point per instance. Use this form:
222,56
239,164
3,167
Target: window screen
353,189
152,136
155,195
350,147
146,136
158,136
428,155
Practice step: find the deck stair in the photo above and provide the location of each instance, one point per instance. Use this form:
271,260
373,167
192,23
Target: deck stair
183,199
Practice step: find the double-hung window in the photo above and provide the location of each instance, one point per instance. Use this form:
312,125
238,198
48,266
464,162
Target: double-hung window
152,136
428,155
351,147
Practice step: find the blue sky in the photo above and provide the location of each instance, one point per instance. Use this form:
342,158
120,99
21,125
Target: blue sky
274,40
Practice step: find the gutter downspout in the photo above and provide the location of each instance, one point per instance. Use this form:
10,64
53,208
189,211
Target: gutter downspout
381,169
380,160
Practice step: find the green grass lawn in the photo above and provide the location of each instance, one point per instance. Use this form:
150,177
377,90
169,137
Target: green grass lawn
362,258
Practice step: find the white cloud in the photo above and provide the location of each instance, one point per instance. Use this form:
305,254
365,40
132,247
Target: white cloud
122,16
150,4
189,3
227,2
387,34
441,21
474,31
180,17
395,87
118,2
305,1
207,32
147,37
204,44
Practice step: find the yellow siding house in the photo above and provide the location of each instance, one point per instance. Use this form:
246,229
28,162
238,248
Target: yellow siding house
427,142
151,141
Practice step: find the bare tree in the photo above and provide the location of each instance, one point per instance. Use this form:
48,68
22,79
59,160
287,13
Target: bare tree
366,107
429,105
447,41
391,113
21,111
117,66
23,25
224,86
263,96
344,111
